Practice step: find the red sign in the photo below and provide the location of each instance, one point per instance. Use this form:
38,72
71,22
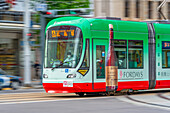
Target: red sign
12,2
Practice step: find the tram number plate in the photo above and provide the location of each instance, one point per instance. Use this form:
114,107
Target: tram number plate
67,83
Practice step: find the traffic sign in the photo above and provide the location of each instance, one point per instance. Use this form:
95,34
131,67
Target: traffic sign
41,7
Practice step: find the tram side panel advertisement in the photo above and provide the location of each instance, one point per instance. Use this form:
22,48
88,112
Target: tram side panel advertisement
111,65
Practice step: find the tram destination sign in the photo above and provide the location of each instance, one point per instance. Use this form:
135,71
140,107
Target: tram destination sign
165,44
62,33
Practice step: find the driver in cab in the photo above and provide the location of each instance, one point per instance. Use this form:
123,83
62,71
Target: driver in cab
69,60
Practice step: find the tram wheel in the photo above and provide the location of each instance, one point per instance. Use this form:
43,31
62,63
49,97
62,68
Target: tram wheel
81,94
130,92
109,93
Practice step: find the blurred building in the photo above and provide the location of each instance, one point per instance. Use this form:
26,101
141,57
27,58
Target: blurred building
10,35
11,40
131,9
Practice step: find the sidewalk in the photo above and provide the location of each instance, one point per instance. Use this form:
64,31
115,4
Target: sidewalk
35,84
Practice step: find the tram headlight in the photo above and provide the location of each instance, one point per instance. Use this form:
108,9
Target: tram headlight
45,76
71,76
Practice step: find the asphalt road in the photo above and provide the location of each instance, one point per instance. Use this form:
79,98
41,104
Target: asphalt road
21,91
37,101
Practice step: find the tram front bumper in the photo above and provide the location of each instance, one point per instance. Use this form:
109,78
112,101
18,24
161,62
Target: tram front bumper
64,88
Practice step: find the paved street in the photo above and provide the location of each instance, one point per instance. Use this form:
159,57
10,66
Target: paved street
21,91
36,101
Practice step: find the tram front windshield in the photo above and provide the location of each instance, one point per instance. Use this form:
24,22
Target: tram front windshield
64,46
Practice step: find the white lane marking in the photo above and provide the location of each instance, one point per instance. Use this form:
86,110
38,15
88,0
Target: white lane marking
13,93
139,104
54,100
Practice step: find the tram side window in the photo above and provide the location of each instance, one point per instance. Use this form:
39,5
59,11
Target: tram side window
100,61
121,51
135,54
86,61
166,54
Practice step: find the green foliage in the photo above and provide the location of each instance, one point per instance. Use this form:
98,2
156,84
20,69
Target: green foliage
67,4
37,33
35,17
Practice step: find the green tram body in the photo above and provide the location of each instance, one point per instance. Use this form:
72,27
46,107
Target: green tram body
147,63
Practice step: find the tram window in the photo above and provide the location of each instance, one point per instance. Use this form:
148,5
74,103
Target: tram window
121,51
166,54
100,61
86,61
135,54
63,51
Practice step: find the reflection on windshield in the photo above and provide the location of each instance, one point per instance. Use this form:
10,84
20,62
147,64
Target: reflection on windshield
64,52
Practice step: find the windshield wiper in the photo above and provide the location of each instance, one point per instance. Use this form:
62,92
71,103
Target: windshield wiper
62,64
57,66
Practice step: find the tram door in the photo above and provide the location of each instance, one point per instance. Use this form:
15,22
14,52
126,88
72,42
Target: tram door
100,47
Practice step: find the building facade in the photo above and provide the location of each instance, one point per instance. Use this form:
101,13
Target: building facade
11,43
131,9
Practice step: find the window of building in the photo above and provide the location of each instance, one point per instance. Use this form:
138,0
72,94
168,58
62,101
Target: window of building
121,53
11,15
168,10
127,8
166,54
150,3
103,6
137,9
135,54
159,16
9,56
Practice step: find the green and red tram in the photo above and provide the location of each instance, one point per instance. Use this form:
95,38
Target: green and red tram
76,49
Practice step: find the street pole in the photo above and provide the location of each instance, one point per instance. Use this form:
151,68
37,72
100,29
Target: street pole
27,64
43,23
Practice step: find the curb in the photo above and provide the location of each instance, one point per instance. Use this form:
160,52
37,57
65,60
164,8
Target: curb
32,87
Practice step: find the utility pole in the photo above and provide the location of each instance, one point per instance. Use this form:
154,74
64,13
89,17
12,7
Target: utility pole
27,64
43,24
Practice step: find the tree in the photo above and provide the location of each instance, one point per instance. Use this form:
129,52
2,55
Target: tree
59,4
67,4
